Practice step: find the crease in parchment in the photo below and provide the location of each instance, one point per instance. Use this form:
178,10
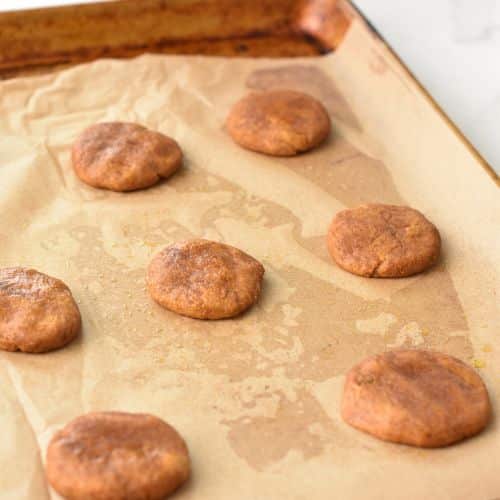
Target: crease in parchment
56,163
29,410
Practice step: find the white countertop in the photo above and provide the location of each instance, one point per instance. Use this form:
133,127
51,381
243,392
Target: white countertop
452,46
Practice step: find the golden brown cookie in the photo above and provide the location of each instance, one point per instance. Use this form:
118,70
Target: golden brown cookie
416,397
113,455
204,279
37,312
124,156
383,241
278,122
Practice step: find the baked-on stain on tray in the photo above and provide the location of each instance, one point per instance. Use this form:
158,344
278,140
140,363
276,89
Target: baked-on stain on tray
246,28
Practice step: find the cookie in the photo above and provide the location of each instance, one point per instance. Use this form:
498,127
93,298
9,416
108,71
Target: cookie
113,455
204,279
278,122
383,241
124,156
416,397
37,312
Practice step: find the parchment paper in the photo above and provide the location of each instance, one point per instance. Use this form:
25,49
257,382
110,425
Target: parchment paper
257,397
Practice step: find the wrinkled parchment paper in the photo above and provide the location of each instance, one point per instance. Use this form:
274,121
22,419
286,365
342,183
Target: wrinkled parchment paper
257,397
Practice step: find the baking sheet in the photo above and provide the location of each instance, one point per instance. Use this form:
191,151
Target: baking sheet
257,397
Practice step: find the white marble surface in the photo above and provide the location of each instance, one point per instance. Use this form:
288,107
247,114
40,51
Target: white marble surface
452,46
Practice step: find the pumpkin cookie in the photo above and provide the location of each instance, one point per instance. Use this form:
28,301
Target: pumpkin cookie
278,122
37,312
113,455
124,156
416,397
204,279
383,241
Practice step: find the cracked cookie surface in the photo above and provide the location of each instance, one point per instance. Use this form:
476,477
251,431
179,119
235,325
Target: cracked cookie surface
383,241
278,122
416,397
124,156
37,312
204,279
111,455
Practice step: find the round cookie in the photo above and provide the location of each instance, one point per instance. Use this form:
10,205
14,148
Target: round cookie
416,397
37,312
111,455
204,279
278,122
383,241
124,156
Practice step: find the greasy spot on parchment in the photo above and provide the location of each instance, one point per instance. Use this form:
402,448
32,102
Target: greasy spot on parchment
342,170
310,80
348,175
302,426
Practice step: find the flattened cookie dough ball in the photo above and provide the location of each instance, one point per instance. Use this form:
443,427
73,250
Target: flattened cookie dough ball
113,455
37,312
124,156
383,241
416,397
278,122
204,279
